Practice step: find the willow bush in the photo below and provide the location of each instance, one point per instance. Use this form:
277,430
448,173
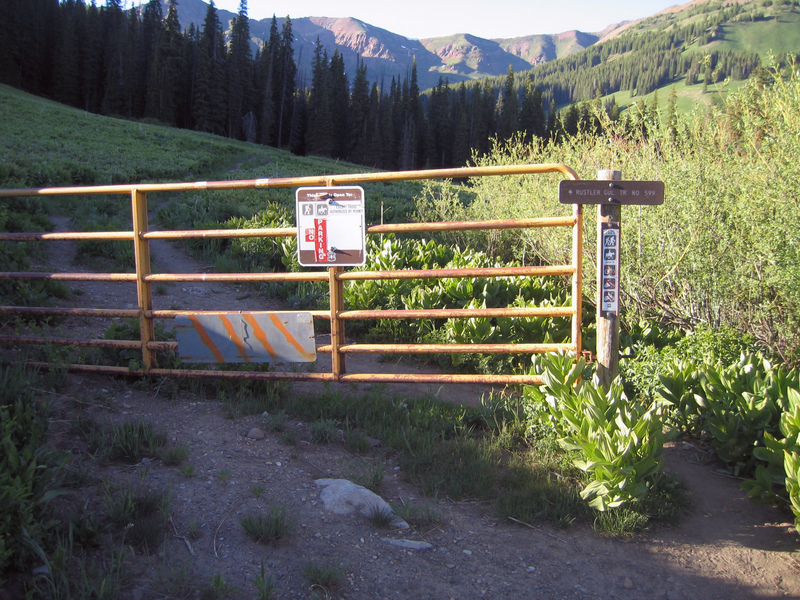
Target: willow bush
723,248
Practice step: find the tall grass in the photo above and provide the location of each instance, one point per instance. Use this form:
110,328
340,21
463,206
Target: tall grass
723,248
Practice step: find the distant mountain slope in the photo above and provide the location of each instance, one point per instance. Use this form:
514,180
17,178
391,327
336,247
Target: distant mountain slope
458,57
749,26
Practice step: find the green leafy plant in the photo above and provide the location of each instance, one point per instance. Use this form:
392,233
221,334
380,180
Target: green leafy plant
617,442
28,472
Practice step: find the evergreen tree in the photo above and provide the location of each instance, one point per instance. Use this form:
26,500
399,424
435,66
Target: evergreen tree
163,91
266,84
319,138
115,41
339,99
286,70
531,119
509,113
241,94
66,86
209,107
359,113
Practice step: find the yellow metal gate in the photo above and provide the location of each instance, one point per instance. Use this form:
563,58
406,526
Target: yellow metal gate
335,277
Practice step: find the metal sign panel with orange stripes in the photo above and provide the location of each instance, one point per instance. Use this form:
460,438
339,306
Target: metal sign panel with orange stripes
239,337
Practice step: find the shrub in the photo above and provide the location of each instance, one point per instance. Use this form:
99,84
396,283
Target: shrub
28,471
619,443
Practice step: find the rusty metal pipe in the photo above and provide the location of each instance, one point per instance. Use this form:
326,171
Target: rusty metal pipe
68,235
454,348
458,313
16,276
472,225
539,271
83,343
70,312
237,277
219,233
284,182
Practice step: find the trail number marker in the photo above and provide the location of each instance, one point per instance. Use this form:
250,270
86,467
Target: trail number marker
584,191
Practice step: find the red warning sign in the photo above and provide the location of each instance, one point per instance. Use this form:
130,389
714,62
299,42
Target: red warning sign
321,240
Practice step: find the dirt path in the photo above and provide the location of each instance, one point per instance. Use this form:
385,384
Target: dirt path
726,548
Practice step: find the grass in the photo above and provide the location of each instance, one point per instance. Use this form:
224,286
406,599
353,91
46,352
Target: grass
140,512
419,516
173,456
265,584
326,576
381,515
366,473
132,441
269,527
324,431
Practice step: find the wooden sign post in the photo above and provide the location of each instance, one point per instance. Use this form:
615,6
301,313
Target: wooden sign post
609,217
609,192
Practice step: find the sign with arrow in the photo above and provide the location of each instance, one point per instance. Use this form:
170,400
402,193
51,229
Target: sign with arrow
583,191
330,226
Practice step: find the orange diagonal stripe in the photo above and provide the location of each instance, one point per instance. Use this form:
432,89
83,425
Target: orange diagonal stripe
260,335
289,337
205,338
234,337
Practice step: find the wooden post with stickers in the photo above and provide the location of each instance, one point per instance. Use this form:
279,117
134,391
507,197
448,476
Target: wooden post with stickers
609,192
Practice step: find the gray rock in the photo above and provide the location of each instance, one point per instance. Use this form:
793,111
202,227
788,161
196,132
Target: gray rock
344,497
409,544
256,434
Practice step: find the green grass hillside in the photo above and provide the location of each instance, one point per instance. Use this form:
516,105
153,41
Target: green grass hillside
49,144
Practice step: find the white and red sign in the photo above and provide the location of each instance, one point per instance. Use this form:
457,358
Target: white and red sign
330,226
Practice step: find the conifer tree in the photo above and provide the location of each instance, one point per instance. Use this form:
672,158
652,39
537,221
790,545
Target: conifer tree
319,139
209,108
115,42
509,114
287,80
66,85
241,94
266,84
163,91
339,98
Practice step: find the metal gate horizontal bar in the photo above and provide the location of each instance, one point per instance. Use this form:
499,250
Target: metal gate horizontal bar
456,313
68,235
296,376
83,343
284,182
122,313
14,276
539,271
454,348
237,277
219,233
472,225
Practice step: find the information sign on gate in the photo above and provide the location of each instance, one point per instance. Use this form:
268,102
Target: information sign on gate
609,262
331,229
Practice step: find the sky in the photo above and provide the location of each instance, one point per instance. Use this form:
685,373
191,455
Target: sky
483,18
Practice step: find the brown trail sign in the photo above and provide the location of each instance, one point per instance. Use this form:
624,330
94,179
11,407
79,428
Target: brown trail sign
609,192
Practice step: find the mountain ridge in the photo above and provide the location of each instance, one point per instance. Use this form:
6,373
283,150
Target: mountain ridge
458,57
